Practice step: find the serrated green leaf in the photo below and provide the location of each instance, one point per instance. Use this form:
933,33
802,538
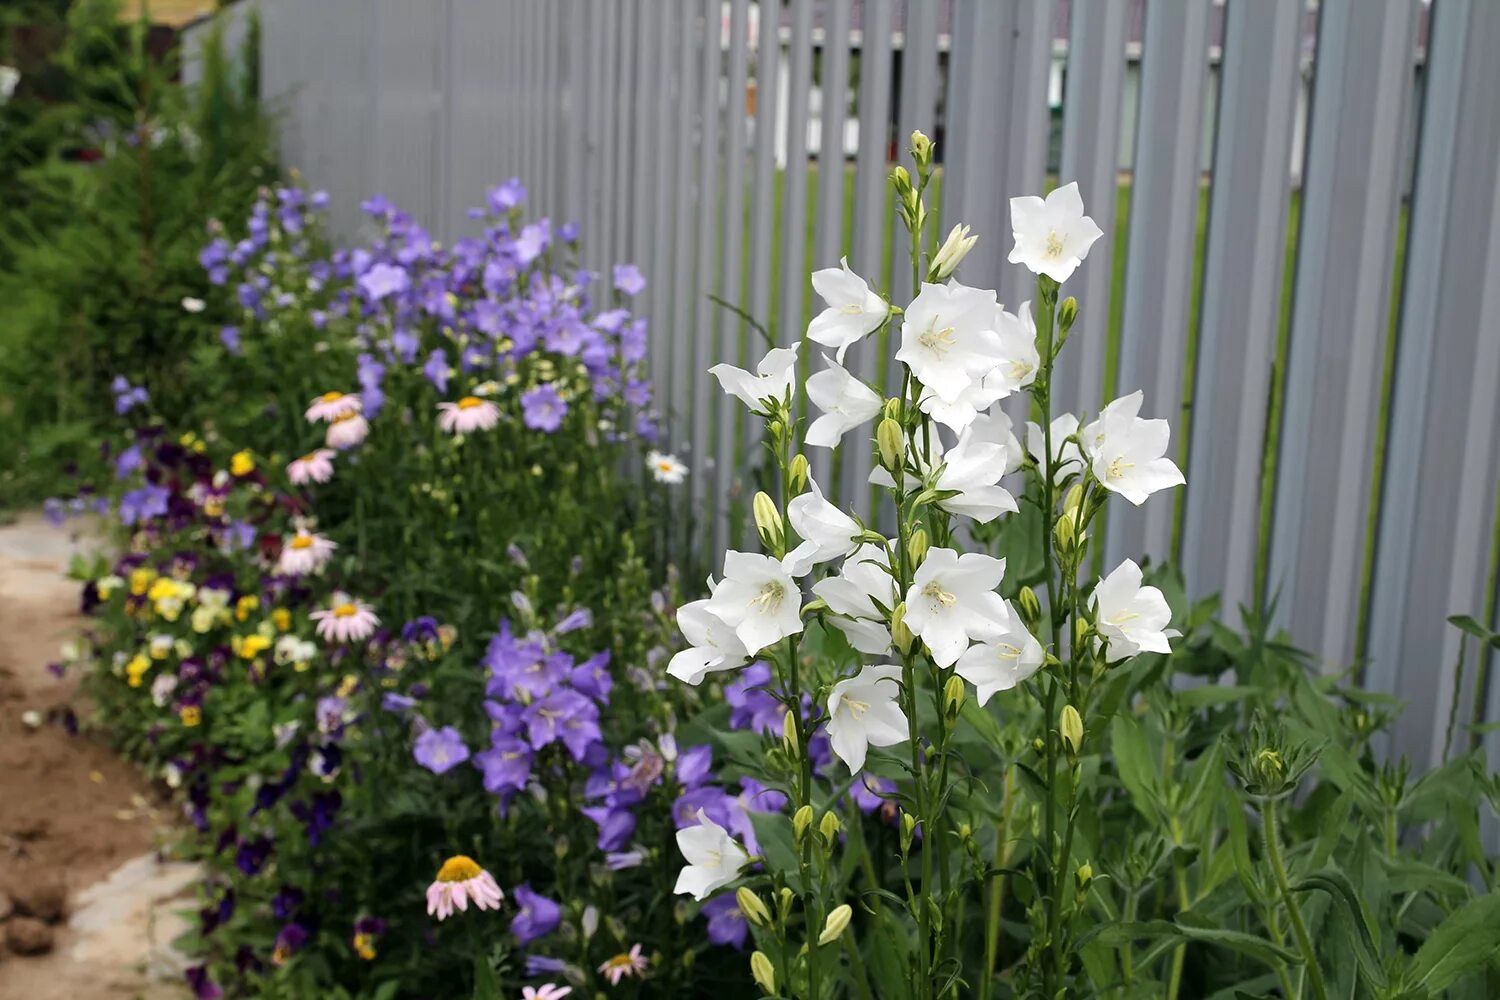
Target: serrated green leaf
1459,945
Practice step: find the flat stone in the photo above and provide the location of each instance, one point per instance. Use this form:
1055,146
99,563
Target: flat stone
26,936
38,894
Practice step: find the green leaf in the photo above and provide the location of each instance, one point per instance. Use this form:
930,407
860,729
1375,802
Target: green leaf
1467,623
1133,761
486,986
1187,928
1362,927
1458,945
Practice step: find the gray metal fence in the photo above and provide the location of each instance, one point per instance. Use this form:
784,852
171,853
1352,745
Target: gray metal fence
1311,311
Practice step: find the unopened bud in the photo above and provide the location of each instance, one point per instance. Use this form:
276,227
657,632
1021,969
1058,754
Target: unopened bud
892,443
916,546
835,925
752,906
796,473
954,694
829,827
1080,631
776,427
1085,875
1073,499
921,148
954,249
908,828
900,634
1038,745
786,896
1062,532
901,181
768,522
789,739
1071,728
892,408
801,820
1067,312
1031,608
763,972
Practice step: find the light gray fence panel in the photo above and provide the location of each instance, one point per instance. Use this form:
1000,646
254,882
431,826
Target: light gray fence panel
795,285
829,238
916,109
872,213
1091,135
731,285
614,187
1242,286
1023,144
597,113
1339,318
652,219
575,117
407,99
674,400
1159,268
1432,559
705,340
975,123
476,118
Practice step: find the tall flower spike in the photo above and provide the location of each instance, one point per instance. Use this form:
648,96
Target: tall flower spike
1052,235
853,312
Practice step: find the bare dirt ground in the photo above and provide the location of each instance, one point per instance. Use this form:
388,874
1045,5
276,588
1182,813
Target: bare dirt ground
76,821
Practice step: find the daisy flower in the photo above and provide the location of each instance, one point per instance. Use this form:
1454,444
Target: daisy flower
627,963
304,553
546,991
349,620
332,405
458,881
314,467
347,431
468,415
666,468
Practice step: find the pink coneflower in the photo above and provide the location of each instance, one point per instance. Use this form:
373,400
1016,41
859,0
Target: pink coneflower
346,431
348,620
546,991
458,881
627,963
467,415
304,552
314,467
332,406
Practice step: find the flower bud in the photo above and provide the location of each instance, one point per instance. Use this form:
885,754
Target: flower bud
1062,532
789,739
908,829
916,546
801,820
1085,875
1080,631
1067,312
829,827
900,634
901,181
763,972
892,444
796,473
752,906
892,408
954,249
768,522
837,922
1073,499
954,694
776,427
1030,607
921,148
590,921
1038,745
787,896
1071,728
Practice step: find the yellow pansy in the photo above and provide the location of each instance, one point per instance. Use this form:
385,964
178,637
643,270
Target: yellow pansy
347,685
282,618
140,580
248,647
244,606
136,669
190,715
242,463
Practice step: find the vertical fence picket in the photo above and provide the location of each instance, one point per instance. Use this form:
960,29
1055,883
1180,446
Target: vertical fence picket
1159,269
574,149
596,114
916,109
1443,455
704,340
1242,287
1090,137
1023,145
970,194
793,278
1340,311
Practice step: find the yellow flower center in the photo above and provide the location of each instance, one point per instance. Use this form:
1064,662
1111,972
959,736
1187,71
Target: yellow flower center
621,961
345,611
302,542
458,868
1054,244
937,341
332,397
310,457
769,599
345,416
938,594
469,402
664,466
1118,468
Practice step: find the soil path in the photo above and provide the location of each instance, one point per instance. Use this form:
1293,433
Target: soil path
73,815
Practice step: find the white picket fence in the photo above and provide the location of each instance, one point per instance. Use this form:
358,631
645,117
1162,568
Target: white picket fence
633,118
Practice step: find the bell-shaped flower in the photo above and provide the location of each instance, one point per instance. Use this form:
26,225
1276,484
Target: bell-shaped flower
863,712
1019,357
960,413
973,468
1128,453
1052,235
714,645
995,428
772,380
948,338
852,594
714,858
1067,460
952,600
846,403
1003,662
853,313
758,599
1130,618
827,532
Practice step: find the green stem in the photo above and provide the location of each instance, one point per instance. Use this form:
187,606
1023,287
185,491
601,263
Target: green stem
1294,914
997,892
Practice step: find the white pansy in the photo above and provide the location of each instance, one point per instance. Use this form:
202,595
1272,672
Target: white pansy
853,312
9,77
714,858
952,600
1019,357
973,468
1052,235
846,403
1003,662
852,594
827,532
948,337
772,380
714,645
1066,458
758,599
1128,453
192,305
863,713
1129,617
